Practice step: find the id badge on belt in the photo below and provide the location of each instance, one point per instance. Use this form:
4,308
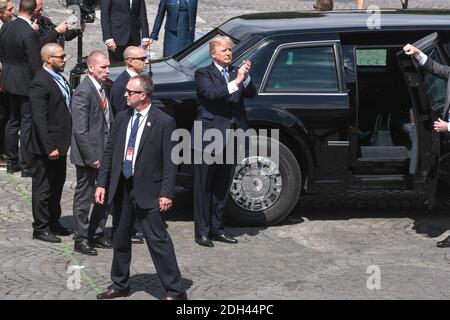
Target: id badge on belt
129,156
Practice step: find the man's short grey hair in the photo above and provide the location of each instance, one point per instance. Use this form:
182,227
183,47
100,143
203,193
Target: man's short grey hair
145,82
93,56
219,40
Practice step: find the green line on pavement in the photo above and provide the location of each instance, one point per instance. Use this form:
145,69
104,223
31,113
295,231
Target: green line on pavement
67,251
74,261
23,195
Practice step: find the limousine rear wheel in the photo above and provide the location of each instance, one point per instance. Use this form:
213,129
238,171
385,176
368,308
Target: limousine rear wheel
263,191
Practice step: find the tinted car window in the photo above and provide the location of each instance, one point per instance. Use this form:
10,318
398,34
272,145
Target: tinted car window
435,86
304,70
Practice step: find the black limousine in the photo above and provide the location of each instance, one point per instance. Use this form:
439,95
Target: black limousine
352,110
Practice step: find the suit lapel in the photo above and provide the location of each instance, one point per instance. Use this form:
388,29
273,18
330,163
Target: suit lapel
58,89
123,132
148,126
99,100
216,72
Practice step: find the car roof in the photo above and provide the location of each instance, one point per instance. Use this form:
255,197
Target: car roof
271,23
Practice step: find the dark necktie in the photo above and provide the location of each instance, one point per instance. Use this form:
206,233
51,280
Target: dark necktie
130,152
105,106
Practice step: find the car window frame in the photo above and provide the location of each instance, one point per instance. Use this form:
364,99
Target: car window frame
335,44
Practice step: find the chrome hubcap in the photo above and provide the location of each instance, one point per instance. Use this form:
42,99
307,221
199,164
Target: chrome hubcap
257,184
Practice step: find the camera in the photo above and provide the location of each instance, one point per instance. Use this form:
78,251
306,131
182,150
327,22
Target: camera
86,8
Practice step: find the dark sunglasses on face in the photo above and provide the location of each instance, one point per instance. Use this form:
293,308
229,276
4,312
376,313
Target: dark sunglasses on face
62,58
139,58
131,92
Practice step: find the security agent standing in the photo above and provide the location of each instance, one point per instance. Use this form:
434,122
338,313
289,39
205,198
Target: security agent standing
136,63
92,119
19,51
221,89
442,72
124,24
139,176
50,96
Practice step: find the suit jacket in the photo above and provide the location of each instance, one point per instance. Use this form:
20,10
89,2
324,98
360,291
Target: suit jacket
52,123
89,125
171,8
118,100
20,56
218,109
120,23
154,171
47,33
442,72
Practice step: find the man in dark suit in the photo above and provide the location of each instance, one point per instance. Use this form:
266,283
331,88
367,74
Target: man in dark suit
139,175
91,121
124,24
136,62
50,96
19,51
221,89
440,125
50,32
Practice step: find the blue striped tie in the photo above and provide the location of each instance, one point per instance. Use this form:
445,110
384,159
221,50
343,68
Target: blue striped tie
128,163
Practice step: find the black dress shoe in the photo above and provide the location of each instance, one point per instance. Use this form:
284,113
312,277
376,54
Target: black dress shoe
59,230
101,242
181,296
26,173
444,243
85,247
224,238
204,241
112,293
11,167
137,237
46,236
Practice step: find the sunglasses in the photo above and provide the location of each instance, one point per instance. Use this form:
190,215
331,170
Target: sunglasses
131,92
62,58
143,59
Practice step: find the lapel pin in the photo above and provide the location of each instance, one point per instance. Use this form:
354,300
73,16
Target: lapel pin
149,124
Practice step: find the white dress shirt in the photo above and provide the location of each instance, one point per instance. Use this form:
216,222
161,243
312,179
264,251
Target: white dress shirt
141,126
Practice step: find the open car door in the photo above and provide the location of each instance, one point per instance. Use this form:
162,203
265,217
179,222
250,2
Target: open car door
427,92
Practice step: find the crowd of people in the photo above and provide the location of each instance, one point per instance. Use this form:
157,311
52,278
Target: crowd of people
119,144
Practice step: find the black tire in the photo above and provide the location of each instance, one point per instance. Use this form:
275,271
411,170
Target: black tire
292,180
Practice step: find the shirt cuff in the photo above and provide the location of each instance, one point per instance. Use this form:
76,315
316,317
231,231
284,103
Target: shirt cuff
145,39
422,58
448,126
108,41
232,87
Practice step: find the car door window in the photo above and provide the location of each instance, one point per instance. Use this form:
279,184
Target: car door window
435,86
304,69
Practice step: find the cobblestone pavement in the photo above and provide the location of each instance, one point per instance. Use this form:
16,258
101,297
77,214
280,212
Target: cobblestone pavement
322,251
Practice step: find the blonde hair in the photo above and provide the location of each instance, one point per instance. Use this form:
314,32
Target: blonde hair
4,5
218,40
